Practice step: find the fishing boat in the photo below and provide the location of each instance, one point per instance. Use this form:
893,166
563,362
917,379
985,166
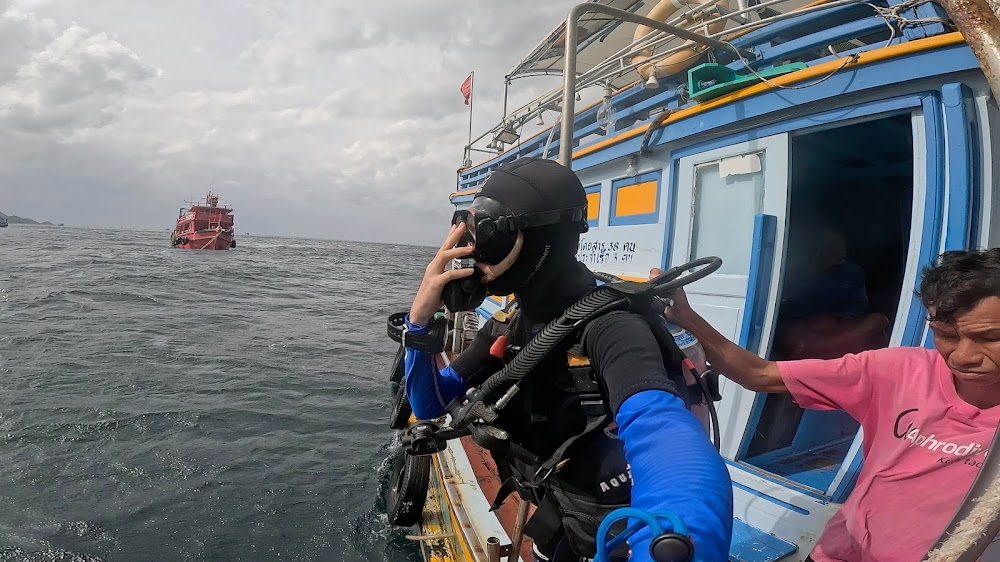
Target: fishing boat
204,226
3,221
731,128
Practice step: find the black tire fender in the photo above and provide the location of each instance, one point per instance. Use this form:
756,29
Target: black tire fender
398,369
399,418
407,491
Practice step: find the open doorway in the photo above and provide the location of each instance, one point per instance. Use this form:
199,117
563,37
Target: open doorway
850,202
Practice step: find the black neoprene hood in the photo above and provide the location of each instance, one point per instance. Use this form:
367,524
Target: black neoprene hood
533,185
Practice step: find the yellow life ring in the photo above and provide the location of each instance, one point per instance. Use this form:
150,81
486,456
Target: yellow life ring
685,57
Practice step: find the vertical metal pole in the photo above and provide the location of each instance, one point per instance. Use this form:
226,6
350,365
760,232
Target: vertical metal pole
472,100
506,85
472,90
569,87
518,537
493,549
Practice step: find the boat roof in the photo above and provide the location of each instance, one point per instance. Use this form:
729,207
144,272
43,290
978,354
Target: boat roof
608,50
204,204
599,37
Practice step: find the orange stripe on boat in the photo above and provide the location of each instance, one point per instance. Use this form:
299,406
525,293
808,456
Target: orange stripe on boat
867,57
469,191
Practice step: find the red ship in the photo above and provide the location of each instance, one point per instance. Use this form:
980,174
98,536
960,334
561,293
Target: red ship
204,227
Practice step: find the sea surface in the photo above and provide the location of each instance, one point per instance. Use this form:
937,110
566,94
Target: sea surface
162,404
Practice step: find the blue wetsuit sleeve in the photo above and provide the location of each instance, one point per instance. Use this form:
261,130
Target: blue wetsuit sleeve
676,469
428,388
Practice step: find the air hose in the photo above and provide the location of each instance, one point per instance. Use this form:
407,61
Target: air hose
555,332
606,298
673,545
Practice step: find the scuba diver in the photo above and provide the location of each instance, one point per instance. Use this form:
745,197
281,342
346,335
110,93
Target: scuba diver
627,439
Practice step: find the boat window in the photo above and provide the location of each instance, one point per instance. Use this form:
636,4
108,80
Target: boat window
850,200
727,195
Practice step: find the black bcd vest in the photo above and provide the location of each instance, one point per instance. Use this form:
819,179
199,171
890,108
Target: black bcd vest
563,418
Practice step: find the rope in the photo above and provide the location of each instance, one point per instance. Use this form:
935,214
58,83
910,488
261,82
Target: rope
894,13
972,529
847,60
212,241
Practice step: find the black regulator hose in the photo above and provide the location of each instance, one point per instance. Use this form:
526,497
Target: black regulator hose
597,302
606,277
604,299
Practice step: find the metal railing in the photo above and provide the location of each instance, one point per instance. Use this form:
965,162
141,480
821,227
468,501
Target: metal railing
684,25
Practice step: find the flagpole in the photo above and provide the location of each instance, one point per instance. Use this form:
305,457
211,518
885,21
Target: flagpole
472,85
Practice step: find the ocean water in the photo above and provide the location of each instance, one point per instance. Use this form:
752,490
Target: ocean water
162,404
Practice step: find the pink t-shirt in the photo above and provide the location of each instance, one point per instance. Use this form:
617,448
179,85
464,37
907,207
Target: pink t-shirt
923,446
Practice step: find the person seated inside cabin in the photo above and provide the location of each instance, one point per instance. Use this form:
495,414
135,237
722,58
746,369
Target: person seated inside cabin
825,314
928,415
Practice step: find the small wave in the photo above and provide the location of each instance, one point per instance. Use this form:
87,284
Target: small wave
113,425
48,555
85,529
372,529
98,296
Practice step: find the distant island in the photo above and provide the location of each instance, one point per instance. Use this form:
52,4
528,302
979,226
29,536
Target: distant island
13,219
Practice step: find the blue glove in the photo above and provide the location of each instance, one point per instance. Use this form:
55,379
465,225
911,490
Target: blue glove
675,469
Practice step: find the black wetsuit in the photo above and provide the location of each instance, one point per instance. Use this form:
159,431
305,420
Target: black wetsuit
626,357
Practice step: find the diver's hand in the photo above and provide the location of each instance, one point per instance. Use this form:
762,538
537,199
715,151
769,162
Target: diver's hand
680,312
428,299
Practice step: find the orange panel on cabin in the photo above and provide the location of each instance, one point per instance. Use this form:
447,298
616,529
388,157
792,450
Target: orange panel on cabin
638,199
593,205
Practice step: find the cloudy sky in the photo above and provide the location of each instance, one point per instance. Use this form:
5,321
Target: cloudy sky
320,118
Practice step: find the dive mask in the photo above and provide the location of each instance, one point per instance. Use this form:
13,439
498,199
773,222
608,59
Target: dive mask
491,227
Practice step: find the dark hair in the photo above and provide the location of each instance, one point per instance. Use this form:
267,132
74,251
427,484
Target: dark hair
959,280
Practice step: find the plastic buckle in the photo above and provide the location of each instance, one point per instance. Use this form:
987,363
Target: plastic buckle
405,330
535,480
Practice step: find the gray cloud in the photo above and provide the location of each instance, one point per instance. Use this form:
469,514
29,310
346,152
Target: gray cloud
62,81
311,117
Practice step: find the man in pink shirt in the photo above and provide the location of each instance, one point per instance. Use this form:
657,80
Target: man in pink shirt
928,415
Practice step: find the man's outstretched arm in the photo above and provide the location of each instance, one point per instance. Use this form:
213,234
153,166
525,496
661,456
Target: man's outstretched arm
735,363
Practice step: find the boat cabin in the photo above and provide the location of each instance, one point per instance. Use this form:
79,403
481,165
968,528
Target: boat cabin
205,217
